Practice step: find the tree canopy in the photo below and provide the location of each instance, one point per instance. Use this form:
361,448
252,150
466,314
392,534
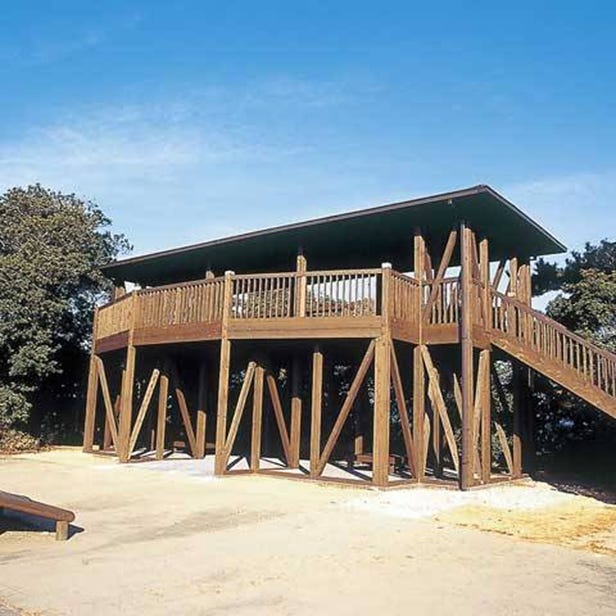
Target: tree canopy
52,246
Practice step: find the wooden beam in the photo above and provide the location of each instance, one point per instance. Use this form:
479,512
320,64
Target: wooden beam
257,419
438,403
419,413
405,424
223,400
184,412
380,439
486,411
239,411
296,411
91,397
201,425
346,407
279,415
502,437
143,409
316,409
126,411
518,429
442,269
498,274
107,402
161,420
466,342
419,380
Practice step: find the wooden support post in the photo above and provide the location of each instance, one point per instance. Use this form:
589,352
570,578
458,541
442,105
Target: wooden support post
380,438
92,395
466,475
419,377
296,412
486,411
436,443
61,530
126,409
161,420
257,419
484,274
223,377
200,435
223,400
317,406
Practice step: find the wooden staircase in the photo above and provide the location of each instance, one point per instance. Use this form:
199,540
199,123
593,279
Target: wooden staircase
551,349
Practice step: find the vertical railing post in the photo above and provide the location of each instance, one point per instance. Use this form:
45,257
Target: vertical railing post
385,294
300,287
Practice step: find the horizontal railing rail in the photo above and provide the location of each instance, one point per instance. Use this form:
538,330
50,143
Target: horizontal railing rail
191,302
116,317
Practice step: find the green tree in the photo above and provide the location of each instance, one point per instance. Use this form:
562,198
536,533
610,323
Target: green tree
52,246
586,305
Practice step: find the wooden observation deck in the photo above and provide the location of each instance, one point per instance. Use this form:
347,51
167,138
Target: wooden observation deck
429,334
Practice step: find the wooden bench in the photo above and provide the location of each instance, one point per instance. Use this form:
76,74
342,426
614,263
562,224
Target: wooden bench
23,504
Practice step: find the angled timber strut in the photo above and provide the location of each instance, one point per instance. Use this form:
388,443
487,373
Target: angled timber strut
359,347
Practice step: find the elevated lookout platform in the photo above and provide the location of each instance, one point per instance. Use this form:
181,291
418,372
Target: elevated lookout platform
406,350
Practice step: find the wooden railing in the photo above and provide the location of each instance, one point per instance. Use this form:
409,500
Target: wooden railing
196,302
343,293
116,317
404,297
262,296
554,342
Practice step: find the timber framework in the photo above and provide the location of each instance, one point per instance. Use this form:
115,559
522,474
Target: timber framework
366,347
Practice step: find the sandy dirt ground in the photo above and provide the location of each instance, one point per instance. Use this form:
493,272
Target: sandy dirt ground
163,538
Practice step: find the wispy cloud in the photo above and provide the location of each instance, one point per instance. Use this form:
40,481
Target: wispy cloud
577,208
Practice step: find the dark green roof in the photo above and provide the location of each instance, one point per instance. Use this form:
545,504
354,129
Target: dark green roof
362,238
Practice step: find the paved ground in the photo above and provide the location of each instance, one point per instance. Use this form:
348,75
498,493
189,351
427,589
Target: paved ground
159,538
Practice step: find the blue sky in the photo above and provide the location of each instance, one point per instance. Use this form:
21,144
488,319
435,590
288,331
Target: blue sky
187,121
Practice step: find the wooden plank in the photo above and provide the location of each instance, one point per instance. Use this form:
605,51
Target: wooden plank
346,407
161,421
436,397
257,419
239,411
279,415
143,409
517,422
405,424
381,428
316,410
223,400
107,402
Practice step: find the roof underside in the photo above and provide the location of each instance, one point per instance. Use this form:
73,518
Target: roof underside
364,238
